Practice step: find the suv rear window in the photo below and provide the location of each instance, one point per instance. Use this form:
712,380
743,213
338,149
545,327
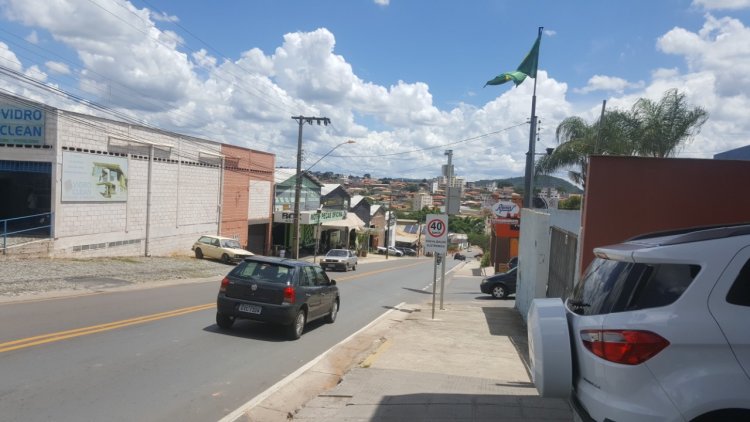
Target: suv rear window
615,286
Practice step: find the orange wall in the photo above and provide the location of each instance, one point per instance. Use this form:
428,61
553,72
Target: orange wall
241,166
628,196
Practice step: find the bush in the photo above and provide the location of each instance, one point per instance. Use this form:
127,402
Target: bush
485,262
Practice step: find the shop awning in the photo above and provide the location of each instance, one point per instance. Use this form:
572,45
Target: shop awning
350,222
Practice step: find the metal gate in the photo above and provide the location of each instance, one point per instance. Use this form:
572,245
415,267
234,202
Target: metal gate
562,263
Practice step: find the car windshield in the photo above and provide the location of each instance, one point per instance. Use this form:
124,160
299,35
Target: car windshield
231,243
337,252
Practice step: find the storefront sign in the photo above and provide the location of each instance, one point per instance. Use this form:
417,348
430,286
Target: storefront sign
506,209
309,217
505,221
94,178
21,125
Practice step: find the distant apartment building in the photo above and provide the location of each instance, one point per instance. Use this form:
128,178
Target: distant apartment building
421,200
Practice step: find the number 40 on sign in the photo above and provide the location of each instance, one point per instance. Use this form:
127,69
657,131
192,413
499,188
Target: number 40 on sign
436,233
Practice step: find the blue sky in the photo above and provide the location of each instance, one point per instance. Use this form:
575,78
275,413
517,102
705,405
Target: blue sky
403,78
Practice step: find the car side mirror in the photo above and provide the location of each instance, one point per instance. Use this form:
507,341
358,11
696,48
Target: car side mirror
332,283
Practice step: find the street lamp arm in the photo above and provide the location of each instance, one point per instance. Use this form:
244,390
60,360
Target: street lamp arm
329,153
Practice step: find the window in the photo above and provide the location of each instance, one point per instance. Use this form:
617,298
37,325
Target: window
307,277
321,279
661,285
263,271
245,270
615,286
739,293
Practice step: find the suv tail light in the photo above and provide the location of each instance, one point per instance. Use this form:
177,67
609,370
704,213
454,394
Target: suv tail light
628,347
224,284
289,294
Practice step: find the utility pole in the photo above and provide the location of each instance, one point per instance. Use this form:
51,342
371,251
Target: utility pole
448,189
301,120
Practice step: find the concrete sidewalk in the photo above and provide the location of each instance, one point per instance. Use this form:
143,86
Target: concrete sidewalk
467,364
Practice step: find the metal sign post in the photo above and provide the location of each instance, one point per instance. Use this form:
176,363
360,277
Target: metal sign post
434,282
436,241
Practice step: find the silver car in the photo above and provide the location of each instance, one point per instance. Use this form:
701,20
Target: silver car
339,259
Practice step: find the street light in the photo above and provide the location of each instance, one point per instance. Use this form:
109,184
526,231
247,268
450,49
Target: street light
298,188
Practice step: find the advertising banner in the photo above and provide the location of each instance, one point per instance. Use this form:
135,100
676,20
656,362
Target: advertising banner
21,125
94,178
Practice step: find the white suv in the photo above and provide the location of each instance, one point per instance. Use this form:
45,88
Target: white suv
658,329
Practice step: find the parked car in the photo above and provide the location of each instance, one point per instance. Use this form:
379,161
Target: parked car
656,330
459,256
226,249
287,292
391,251
407,251
339,259
500,285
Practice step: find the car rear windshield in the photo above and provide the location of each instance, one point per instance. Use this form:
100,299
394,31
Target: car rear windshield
262,271
616,286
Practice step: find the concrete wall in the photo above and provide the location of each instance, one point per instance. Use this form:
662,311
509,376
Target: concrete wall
185,182
534,251
533,258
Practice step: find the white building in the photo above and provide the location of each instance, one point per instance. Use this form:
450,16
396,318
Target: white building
421,200
111,188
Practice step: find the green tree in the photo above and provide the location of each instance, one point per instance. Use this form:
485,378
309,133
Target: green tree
578,140
664,126
653,129
572,203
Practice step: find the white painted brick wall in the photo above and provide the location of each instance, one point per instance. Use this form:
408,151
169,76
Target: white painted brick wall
184,197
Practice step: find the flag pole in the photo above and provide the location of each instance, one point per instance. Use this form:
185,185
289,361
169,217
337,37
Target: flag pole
528,187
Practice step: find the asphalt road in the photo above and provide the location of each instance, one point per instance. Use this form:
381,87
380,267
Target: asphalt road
155,354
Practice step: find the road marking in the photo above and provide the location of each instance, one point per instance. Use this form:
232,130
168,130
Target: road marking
78,332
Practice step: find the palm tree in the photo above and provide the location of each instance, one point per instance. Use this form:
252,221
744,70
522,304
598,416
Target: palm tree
664,126
578,140
650,129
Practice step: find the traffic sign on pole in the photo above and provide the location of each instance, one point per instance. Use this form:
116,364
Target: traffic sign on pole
436,233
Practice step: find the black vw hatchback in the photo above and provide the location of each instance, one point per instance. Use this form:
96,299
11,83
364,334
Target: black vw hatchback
277,290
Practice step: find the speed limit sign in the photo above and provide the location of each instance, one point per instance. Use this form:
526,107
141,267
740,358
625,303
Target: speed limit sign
436,233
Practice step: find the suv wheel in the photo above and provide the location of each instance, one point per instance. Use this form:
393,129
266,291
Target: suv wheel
225,259
499,292
198,253
224,321
296,327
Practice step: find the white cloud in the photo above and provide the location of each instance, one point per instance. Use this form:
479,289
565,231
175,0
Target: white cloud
58,68
33,37
163,17
722,4
382,2
129,63
608,83
550,32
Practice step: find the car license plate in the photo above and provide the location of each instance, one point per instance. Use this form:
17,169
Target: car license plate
252,309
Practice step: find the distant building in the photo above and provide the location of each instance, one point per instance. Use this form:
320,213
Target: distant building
421,200
741,153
